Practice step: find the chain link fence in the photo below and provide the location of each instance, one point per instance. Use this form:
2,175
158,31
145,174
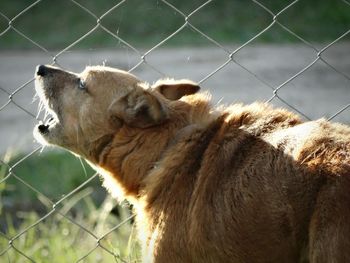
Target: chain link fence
310,79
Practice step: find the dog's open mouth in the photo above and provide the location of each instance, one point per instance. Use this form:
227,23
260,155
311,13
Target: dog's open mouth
47,131
44,128
50,121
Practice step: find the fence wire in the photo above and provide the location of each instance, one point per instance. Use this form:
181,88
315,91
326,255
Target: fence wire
230,55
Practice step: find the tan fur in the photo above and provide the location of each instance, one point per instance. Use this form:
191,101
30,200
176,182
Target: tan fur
209,184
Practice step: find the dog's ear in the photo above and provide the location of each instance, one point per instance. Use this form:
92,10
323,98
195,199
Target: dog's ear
175,89
139,108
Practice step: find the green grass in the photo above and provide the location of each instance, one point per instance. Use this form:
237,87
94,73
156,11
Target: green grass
57,239
56,24
54,173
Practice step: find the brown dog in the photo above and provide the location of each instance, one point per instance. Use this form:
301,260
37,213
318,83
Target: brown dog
237,184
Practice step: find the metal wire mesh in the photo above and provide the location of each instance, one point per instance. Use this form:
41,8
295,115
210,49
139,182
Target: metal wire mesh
230,56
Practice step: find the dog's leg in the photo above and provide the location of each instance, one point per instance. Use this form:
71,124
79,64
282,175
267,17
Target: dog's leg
330,224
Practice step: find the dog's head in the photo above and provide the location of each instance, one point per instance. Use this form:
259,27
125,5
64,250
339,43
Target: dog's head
88,106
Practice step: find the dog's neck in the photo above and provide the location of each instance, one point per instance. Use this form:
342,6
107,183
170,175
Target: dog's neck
133,152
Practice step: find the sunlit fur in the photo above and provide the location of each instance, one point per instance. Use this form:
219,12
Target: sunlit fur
242,183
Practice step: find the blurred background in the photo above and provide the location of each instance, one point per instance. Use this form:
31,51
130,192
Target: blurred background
294,54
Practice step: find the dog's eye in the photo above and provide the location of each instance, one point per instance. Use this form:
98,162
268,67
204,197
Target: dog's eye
82,85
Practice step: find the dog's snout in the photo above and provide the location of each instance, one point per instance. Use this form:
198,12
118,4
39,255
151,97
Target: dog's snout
41,70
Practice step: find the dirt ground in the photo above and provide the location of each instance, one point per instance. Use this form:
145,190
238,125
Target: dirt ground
320,91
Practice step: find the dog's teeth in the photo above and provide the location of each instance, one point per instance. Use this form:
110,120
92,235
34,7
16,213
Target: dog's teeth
50,121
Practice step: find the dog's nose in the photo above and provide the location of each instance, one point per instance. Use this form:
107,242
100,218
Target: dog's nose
41,70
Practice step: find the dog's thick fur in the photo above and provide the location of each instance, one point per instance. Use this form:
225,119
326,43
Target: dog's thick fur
209,184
